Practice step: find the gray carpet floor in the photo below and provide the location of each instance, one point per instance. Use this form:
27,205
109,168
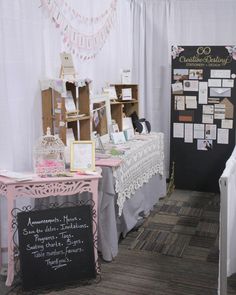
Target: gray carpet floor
184,226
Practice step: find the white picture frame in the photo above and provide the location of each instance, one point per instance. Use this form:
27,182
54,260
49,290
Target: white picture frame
126,94
82,156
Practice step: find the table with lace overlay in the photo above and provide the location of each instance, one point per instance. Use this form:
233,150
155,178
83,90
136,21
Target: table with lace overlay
143,157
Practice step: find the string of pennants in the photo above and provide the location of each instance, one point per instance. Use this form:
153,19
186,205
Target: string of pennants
70,22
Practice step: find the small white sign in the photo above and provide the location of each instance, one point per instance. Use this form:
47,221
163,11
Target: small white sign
129,133
126,76
118,137
127,94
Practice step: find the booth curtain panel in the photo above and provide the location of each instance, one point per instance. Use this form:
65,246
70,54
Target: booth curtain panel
156,26
30,51
141,39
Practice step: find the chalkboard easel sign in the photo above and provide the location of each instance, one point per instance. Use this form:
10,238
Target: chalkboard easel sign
56,246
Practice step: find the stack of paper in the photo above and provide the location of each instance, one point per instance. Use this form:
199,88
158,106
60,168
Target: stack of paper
18,176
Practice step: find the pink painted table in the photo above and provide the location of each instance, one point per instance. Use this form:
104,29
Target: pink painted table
41,188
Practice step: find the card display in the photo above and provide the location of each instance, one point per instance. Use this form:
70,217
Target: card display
202,114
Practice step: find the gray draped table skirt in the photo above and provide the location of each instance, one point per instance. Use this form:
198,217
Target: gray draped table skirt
110,225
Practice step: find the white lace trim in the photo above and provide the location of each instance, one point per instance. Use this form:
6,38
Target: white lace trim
140,163
59,85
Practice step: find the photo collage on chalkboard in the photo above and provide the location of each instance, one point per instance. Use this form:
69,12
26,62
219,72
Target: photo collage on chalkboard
202,95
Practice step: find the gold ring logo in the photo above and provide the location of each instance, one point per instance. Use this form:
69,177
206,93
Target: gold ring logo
203,50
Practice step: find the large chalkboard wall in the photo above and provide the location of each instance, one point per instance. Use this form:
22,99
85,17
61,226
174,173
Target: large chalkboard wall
56,246
202,114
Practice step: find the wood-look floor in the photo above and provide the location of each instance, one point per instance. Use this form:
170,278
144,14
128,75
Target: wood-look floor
145,273
135,272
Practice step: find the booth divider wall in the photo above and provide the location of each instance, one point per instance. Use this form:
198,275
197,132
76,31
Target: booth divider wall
202,114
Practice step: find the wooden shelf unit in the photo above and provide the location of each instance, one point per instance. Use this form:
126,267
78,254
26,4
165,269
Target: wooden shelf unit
55,115
120,107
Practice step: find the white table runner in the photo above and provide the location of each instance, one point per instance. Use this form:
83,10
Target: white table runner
144,159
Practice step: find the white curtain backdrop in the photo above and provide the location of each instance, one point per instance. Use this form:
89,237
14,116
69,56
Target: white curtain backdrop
158,24
29,51
30,47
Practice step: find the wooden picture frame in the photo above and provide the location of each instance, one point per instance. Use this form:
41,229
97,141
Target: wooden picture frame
82,155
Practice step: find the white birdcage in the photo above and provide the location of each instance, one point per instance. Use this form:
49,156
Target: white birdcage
49,155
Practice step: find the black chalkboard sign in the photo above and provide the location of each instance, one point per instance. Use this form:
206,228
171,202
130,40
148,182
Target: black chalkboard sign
56,246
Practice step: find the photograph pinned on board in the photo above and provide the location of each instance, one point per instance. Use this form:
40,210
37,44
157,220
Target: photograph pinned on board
219,111
180,74
221,74
208,109
179,103
177,88
214,82
196,74
204,145
191,102
207,118
228,83
210,131
191,85
222,136
227,124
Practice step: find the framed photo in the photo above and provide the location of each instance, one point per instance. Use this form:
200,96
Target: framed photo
82,156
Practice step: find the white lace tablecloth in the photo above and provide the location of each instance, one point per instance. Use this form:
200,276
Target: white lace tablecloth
144,159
